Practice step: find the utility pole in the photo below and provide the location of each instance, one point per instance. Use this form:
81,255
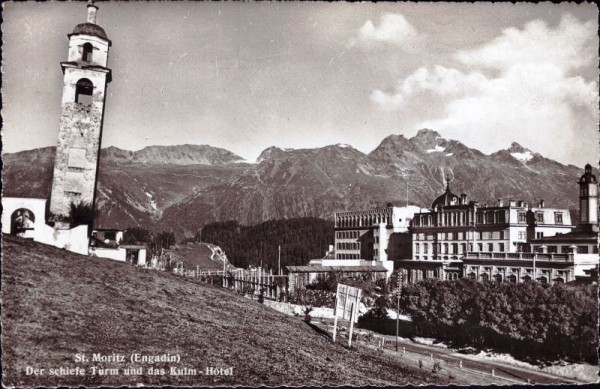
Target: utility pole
279,261
398,292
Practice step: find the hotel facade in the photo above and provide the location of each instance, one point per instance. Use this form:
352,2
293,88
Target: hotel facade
510,241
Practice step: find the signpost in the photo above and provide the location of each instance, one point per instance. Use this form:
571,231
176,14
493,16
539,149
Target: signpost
347,299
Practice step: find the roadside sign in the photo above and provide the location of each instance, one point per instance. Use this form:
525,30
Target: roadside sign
347,299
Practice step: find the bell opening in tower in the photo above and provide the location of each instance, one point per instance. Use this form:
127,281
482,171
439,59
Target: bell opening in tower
87,52
84,91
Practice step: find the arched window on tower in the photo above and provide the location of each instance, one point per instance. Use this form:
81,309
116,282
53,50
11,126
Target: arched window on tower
84,91
87,52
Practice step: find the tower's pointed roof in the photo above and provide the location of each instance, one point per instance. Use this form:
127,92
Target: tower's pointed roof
588,177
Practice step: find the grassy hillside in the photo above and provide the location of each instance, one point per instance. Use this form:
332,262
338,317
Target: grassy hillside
57,304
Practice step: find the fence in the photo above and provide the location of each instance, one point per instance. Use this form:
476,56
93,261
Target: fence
253,282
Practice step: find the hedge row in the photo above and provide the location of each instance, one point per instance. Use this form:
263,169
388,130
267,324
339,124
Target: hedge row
541,322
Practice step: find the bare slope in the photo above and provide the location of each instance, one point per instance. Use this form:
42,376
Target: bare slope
57,304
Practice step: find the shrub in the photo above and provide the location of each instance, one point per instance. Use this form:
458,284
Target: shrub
379,310
317,298
82,213
307,311
529,320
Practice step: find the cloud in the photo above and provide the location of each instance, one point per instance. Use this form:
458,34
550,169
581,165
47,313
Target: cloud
522,86
568,47
392,28
441,81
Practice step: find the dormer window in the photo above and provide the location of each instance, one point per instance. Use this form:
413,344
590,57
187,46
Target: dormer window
84,91
87,52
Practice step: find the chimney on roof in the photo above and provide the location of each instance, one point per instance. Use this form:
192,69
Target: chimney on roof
500,203
463,198
541,204
512,202
91,12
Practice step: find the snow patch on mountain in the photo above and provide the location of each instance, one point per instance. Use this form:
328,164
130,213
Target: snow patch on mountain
436,149
526,156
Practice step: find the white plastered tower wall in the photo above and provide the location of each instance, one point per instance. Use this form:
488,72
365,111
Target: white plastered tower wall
82,112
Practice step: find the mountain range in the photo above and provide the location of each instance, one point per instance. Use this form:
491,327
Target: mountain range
183,188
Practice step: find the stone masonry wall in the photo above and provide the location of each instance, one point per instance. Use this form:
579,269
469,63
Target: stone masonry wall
80,128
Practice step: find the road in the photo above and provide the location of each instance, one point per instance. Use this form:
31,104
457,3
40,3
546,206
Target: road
473,370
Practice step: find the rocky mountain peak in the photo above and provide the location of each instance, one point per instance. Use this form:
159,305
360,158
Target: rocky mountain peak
426,133
269,152
429,140
517,148
520,153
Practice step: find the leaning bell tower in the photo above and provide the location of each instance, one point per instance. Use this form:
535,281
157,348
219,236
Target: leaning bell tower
84,92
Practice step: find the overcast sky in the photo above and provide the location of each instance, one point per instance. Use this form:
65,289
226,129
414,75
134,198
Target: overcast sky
246,76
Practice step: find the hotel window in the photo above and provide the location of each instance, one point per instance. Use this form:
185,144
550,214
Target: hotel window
501,247
539,217
552,249
425,248
417,248
490,247
479,218
501,217
539,235
558,218
582,249
522,217
480,247
521,235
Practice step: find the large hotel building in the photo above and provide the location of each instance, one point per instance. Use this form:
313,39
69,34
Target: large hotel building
509,241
